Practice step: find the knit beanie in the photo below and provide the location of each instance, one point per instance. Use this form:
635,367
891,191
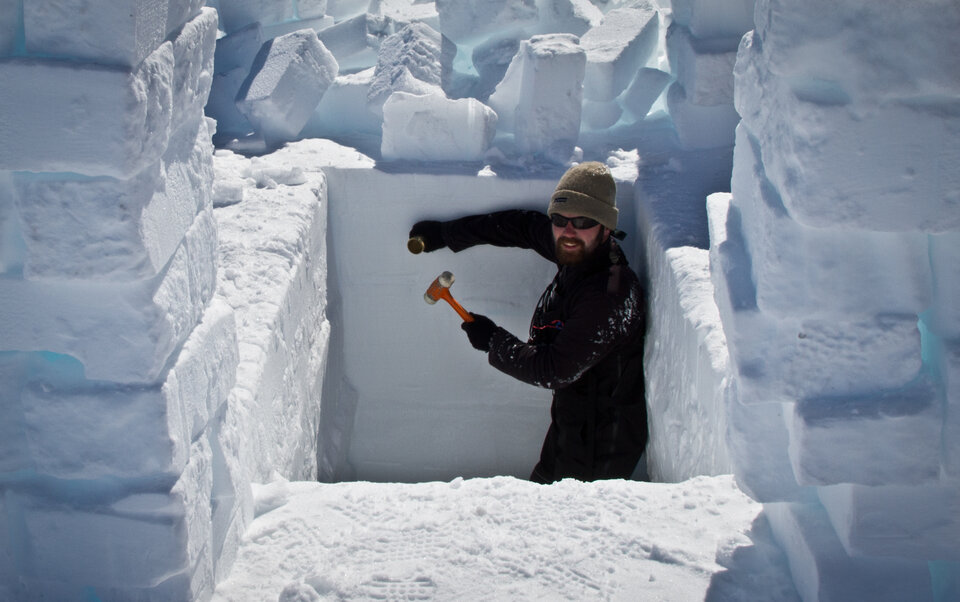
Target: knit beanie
587,189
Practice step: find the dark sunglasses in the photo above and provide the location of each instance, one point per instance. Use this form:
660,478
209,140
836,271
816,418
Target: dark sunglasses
580,223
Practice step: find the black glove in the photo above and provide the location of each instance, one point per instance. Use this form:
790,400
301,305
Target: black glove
430,233
479,331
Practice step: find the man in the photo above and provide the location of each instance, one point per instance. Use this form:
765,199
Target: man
586,335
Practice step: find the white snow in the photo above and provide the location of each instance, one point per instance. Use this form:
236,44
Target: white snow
617,47
407,61
454,130
464,21
75,28
289,77
191,339
540,95
506,539
85,117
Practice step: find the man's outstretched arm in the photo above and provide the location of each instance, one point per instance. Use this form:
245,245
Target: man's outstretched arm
511,228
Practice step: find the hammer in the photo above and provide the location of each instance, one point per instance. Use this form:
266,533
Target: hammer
440,289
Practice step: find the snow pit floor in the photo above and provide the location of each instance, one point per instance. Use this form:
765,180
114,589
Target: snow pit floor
503,538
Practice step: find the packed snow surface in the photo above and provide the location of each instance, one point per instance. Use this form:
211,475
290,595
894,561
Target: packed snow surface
506,539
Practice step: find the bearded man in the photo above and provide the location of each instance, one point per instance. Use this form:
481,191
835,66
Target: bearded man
587,332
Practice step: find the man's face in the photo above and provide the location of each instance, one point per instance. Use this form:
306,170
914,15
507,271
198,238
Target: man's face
573,246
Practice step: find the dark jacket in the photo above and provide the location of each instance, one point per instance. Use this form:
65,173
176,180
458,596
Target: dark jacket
585,343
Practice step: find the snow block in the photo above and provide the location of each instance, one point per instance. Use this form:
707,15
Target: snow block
757,437
774,357
309,9
822,569
83,117
238,49
274,243
343,108
110,32
435,128
150,428
644,90
193,59
237,14
896,520
108,229
880,59
796,267
861,438
121,331
126,543
701,126
686,367
617,48
704,67
289,76
945,263
355,42
408,61
406,11
465,21
713,18
845,164
568,16
540,98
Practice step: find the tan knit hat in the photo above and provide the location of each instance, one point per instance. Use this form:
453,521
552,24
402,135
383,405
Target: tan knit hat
587,189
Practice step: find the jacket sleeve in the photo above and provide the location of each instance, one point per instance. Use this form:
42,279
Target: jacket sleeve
512,228
597,325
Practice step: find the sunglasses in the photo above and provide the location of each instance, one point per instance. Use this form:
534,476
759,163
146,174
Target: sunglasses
580,223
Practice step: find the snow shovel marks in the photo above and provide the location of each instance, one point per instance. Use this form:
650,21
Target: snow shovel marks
506,539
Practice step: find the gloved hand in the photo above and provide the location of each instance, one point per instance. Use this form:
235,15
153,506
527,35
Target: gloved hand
430,233
479,331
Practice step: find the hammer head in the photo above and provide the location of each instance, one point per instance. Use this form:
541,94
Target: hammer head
436,288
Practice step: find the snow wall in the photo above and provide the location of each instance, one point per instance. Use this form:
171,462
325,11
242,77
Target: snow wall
140,394
150,375
835,264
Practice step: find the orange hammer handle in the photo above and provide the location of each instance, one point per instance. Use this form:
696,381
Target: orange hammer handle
446,296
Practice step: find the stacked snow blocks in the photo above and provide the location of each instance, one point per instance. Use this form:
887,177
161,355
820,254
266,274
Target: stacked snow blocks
833,259
523,77
114,358
702,48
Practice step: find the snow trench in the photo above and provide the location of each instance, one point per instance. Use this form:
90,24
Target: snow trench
401,395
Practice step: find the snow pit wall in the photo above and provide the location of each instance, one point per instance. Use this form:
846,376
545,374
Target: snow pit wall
425,405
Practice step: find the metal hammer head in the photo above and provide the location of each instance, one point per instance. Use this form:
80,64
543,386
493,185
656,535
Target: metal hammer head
441,282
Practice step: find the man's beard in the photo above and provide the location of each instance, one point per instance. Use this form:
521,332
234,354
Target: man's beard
576,255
